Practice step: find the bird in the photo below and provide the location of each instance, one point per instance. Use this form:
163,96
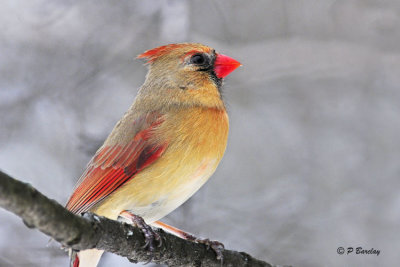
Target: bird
164,148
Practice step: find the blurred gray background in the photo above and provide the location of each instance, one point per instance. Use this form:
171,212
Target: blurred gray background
313,156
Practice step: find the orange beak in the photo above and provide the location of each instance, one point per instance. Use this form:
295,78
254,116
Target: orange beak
224,65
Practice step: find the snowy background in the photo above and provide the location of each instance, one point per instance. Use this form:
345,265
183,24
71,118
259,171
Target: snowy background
313,159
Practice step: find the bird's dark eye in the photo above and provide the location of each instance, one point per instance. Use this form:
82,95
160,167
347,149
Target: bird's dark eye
198,59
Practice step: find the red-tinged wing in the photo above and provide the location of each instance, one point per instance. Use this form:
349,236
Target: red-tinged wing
114,165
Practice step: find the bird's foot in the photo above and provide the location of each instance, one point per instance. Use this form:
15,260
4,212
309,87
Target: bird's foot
215,245
218,247
150,236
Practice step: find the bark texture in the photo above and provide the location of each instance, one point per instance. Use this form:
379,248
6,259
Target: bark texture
92,231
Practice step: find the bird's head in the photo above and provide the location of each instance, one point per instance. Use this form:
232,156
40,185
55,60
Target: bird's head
187,73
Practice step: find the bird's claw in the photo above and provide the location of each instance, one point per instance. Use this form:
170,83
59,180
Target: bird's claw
150,236
217,246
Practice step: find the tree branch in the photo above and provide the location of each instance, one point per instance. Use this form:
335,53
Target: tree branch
92,231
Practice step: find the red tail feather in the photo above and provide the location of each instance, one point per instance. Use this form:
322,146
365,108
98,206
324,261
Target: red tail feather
76,260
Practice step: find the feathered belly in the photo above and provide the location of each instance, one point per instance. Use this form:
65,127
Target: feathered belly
194,151
152,194
174,191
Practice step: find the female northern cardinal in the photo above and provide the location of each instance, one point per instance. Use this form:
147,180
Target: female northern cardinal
165,147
